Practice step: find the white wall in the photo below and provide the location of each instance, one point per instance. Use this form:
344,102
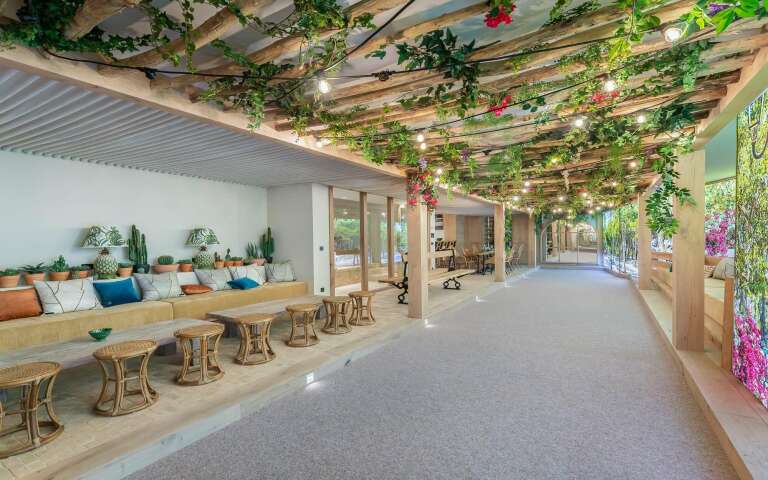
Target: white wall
46,204
298,215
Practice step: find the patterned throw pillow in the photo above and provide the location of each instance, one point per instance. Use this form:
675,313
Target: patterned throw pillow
708,269
215,279
724,269
256,273
280,272
67,296
158,286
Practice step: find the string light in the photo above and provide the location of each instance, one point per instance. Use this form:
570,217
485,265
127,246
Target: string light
515,198
439,170
610,204
561,198
420,137
633,164
584,194
524,190
526,183
554,160
598,208
614,183
610,85
580,122
641,118
423,146
673,33
590,211
323,86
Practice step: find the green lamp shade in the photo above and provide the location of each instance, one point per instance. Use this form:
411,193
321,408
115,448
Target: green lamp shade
103,236
200,237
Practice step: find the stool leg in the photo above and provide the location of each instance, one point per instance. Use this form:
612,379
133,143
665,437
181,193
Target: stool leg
30,414
119,386
186,349
245,343
370,310
293,328
147,392
203,360
306,328
265,333
214,354
49,403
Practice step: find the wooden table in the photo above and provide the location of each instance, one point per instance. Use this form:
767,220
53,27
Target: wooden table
230,316
74,353
481,256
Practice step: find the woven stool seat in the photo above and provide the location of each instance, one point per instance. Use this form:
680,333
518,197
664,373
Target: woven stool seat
125,349
200,347
35,380
361,293
303,316
117,357
303,307
362,308
254,339
336,320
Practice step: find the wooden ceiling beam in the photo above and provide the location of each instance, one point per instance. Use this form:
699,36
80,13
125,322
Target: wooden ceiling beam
92,13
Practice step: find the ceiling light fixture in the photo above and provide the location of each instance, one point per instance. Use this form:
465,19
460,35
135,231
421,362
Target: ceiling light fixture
641,118
439,171
526,183
580,122
561,198
423,146
633,164
610,85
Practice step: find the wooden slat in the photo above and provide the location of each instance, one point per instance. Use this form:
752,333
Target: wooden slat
92,13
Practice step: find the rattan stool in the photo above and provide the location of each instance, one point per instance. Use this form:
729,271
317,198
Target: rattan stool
31,379
118,355
202,362
362,312
303,316
336,320
254,339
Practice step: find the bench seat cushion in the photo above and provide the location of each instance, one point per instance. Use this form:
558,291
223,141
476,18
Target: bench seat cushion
198,306
31,331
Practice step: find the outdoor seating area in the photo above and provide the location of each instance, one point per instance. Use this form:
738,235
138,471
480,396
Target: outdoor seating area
243,236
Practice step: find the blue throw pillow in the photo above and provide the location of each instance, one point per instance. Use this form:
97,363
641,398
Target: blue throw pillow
243,283
116,293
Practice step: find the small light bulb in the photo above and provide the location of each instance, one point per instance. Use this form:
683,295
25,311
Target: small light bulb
319,144
583,194
420,137
580,122
633,164
590,211
561,198
554,160
673,33
598,208
610,204
323,86
439,171
614,183
610,85
423,146
529,209
641,118
524,190
526,183
515,198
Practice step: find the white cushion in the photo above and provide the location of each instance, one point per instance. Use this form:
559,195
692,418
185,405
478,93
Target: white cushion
215,279
158,286
724,269
256,273
187,278
280,272
67,296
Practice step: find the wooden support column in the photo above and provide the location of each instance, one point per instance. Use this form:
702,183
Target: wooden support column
499,246
390,237
363,241
331,242
688,257
418,260
531,240
644,265
599,232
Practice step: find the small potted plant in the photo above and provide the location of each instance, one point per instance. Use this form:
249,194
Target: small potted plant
124,269
58,271
165,264
237,261
217,261
254,254
79,271
228,260
185,265
33,273
9,278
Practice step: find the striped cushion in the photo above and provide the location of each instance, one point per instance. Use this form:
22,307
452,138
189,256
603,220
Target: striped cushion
67,296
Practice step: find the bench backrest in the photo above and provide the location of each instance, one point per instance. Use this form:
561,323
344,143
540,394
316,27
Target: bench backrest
449,253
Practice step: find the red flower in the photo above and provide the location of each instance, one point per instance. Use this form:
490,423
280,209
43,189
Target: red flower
498,109
499,15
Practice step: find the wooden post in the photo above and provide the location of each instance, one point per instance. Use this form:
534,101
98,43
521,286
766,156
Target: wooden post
599,233
644,265
531,240
390,238
499,246
418,260
688,257
363,241
331,241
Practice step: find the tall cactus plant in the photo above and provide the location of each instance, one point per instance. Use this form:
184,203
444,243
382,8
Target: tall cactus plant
268,245
137,250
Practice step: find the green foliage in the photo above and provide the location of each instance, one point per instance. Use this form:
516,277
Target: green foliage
39,268
125,265
9,272
659,205
185,261
237,259
560,14
59,265
165,260
720,197
137,247
268,244
79,268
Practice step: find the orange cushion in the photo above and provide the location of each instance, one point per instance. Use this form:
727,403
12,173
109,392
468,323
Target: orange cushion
195,289
19,304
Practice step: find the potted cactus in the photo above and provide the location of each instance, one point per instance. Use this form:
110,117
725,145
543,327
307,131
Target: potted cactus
268,245
237,261
9,278
33,273
58,271
217,261
79,271
185,265
253,253
165,263
124,269
137,251
228,259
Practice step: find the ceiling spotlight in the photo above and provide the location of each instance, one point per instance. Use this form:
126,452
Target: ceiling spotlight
673,33
439,170
561,198
423,146
526,183
420,137
602,203
580,122
529,209
589,202
633,164
515,198
590,211
641,118
554,160
610,85
598,208
323,86
610,204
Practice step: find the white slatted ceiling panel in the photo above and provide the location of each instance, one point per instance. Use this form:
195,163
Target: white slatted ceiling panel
45,117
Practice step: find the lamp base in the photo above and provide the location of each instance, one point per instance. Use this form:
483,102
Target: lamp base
105,265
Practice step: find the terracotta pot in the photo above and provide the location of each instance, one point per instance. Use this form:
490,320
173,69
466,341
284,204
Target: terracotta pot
58,276
124,271
260,261
166,268
79,274
185,267
238,263
218,265
30,278
229,263
9,281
